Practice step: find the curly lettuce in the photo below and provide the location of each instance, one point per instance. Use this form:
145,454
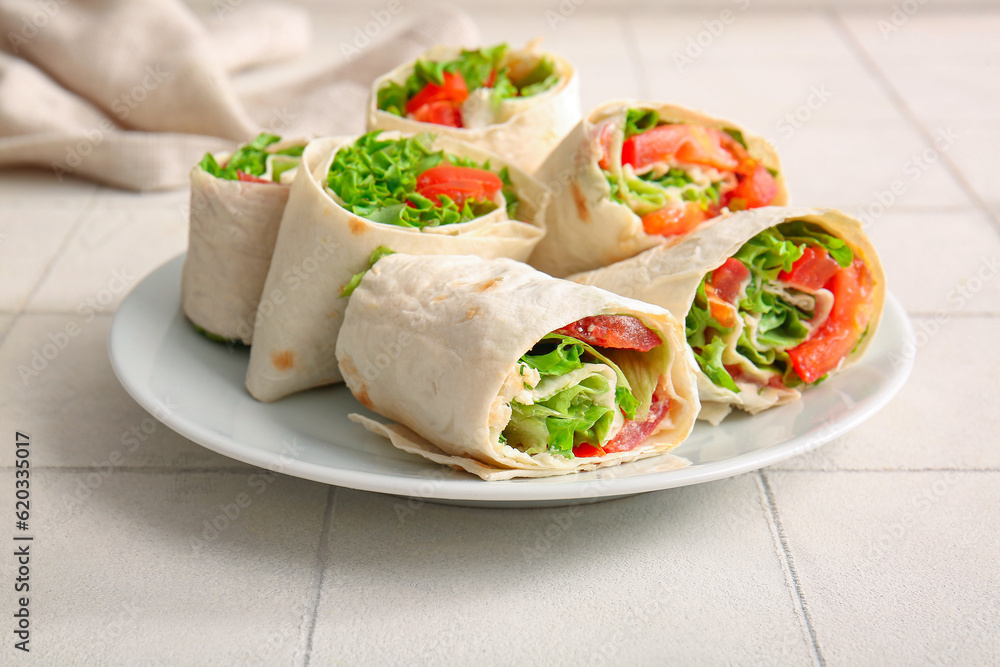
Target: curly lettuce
253,158
651,191
478,68
376,179
772,324
576,403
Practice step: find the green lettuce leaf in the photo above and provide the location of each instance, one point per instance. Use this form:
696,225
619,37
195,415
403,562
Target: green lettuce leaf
567,418
355,280
638,121
570,416
780,325
801,232
251,159
377,179
476,67
709,358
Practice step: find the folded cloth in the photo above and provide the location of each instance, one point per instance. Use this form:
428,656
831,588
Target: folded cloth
131,94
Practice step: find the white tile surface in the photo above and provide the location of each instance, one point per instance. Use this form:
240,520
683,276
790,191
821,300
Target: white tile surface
123,237
945,416
895,568
29,187
31,233
947,69
890,530
150,570
929,277
594,41
68,398
852,166
811,78
628,581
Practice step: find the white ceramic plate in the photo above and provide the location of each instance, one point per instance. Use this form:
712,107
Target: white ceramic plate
195,387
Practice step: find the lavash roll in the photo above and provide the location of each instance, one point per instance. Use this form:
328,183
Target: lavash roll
431,343
321,245
529,127
232,229
586,228
669,276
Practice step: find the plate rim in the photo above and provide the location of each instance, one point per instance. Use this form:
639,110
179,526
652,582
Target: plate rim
474,490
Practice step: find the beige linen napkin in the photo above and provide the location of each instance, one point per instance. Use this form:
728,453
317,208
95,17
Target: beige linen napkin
133,93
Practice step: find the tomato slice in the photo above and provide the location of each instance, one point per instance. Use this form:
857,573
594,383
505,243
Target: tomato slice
453,90
439,113
719,308
459,183
458,191
249,178
446,173
676,220
811,271
696,144
622,332
607,133
728,278
754,190
585,449
853,304
634,433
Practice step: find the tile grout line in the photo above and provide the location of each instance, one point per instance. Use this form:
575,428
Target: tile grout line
897,99
304,650
788,566
16,315
172,470
632,49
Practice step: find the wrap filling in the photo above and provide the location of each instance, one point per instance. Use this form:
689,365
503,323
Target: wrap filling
785,310
677,175
466,91
256,162
405,182
588,389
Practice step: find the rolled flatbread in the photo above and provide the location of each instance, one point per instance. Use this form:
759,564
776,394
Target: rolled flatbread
500,370
232,229
321,245
782,319
522,129
672,184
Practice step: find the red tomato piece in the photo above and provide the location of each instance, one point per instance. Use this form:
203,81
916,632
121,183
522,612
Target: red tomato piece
854,301
719,309
439,113
634,433
585,449
446,173
607,133
622,332
458,191
453,90
811,271
249,178
676,220
756,189
696,144
728,278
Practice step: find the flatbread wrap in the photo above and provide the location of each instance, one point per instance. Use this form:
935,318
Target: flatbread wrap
498,369
237,200
514,102
421,194
632,175
774,300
